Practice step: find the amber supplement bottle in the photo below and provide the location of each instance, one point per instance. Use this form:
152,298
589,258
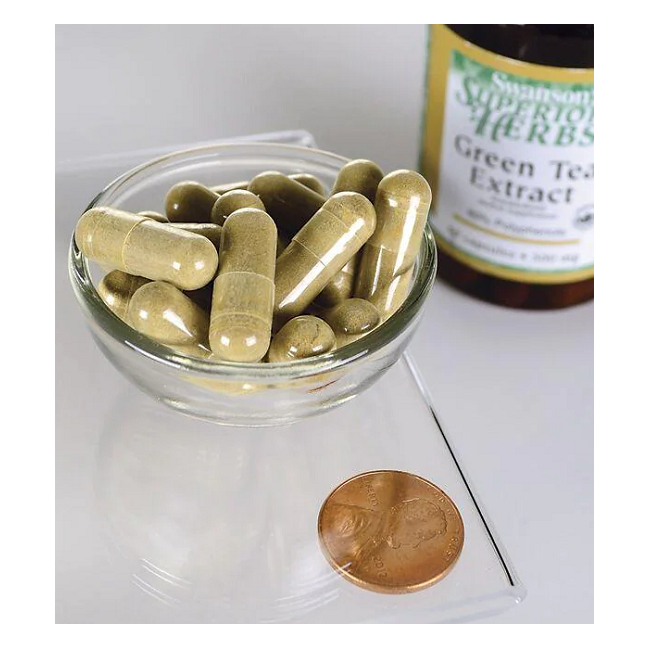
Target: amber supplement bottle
508,151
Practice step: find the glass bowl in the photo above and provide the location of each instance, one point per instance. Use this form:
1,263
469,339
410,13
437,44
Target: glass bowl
256,394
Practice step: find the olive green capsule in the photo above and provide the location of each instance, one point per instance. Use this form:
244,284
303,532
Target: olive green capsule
209,230
402,205
290,204
390,297
234,200
320,249
196,350
352,319
190,202
362,176
116,290
340,287
302,337
242,298
310,181
229,187
141,246
165,314
232,388
156,216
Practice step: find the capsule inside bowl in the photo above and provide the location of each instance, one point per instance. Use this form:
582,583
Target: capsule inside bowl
197,383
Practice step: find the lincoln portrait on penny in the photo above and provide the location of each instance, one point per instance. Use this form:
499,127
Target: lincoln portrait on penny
403,526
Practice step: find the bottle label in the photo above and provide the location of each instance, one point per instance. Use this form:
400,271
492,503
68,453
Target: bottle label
508,150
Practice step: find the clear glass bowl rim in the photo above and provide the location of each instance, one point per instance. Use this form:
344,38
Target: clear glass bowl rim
95,307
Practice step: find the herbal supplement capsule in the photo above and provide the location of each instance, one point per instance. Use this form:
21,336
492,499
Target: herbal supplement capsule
340,287
196,350
229,187
242,298
156,216
390,297
362,176
290,204
352,319
141,246
234,200
320,249
190,202
165,314
116,290
209,230
302,337
310,181
402,206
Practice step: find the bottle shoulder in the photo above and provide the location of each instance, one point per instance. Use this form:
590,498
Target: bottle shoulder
564,46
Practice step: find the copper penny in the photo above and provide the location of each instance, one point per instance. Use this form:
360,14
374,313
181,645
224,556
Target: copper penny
390,531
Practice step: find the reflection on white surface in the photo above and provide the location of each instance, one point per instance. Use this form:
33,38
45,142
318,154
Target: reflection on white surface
191,508
210,523
168,493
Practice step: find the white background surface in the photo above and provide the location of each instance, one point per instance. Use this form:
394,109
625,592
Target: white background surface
357,89
514,389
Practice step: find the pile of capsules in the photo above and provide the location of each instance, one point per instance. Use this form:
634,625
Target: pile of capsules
270,269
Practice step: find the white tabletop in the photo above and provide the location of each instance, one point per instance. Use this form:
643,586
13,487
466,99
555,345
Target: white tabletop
514,391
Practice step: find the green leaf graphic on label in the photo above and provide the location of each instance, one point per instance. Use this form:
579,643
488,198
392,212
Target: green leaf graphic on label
504,106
